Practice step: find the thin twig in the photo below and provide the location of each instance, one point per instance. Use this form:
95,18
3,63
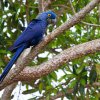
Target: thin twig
27,11
72,7
89,24
86,23
41,5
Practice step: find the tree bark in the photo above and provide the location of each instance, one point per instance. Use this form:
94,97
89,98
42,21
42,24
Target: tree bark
8,91
35,72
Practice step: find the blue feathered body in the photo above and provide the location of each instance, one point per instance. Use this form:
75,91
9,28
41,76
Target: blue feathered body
29,37
32,35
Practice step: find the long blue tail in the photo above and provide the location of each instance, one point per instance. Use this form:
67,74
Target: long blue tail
11,62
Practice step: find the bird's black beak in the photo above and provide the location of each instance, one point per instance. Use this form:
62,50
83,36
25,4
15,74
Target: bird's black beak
52,21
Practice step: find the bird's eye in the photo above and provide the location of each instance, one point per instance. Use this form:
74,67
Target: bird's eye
49,15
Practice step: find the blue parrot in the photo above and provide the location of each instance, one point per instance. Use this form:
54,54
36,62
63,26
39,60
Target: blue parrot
31,36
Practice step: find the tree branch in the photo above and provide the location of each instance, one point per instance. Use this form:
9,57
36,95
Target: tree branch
27,11
47,3
44,4
89,24
41,5
7,92
24,62
65,56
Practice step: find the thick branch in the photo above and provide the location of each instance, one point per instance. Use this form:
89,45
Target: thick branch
7,92
20,66
65,56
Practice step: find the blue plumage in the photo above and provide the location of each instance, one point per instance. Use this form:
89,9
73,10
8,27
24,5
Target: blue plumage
12,61
32,35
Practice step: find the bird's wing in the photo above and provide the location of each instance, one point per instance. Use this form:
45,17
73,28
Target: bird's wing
33,30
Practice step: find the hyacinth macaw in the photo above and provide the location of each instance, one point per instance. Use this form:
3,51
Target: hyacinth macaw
31,36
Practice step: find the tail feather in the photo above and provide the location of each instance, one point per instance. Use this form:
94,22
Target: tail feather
12,61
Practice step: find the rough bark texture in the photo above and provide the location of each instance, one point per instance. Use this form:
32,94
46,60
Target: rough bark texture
7,92
65,56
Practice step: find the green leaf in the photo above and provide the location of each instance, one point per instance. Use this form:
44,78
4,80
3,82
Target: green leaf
70,76
48,79
48,97
29,91
83,82
62,78
27,86
81,89
74,69
79,69
3,51
40,87
72,84
49,87
54,75
93,75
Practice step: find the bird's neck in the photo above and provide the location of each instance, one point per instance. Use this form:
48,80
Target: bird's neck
44,25
43,18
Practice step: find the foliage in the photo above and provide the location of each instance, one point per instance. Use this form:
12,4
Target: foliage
78,75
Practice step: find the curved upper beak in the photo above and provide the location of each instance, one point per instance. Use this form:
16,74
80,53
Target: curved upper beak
54,21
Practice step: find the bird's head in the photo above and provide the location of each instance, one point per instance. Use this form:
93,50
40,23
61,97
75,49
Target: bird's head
48,16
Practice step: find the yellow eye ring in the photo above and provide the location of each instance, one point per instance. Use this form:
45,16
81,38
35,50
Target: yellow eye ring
49,15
